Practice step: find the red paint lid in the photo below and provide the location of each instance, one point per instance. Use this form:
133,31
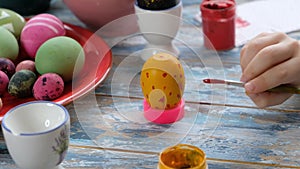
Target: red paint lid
217,9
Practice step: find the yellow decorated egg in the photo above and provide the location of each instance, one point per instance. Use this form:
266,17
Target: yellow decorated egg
162,81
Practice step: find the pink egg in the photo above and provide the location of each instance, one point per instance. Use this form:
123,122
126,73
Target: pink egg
7,66
49,86
4,80
26,64
38,30
46,16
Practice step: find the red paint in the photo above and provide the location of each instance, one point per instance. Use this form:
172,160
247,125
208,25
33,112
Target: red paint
164,75
217,5
241,23
168,106
218,18
214,81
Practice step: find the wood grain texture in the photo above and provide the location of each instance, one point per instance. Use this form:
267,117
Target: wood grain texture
93,158
230,133
109,131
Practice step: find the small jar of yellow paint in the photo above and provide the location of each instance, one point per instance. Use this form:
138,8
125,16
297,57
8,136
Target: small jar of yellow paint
182,156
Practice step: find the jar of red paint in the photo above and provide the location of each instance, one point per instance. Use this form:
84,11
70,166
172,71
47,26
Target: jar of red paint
218,23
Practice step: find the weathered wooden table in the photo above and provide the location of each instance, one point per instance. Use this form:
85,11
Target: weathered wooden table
108,129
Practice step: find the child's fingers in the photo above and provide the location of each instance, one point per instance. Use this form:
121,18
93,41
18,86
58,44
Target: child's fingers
250,50
284,73
267,58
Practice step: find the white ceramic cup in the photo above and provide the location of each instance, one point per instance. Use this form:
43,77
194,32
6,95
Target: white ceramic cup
37,134
159,28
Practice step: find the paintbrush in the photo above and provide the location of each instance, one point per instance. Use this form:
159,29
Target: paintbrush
279,89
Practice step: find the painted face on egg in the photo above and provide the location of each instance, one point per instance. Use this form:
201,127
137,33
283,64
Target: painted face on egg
162,81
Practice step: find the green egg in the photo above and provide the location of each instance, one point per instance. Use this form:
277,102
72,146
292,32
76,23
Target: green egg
21,83
12,21
9,47
61,55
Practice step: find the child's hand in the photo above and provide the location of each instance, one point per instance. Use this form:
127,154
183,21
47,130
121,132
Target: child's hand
267,61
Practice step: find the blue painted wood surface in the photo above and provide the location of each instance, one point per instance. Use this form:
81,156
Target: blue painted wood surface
109,131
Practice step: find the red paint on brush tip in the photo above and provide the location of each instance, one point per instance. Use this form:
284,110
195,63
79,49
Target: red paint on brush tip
206,80
213,81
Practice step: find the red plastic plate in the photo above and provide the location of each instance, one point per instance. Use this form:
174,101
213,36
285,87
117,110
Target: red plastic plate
98,63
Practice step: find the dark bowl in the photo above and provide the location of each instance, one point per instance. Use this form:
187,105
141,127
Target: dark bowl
26,7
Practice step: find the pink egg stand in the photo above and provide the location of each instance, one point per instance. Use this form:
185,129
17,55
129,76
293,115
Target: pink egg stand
164,116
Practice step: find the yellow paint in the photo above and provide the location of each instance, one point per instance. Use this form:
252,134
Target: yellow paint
182,156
